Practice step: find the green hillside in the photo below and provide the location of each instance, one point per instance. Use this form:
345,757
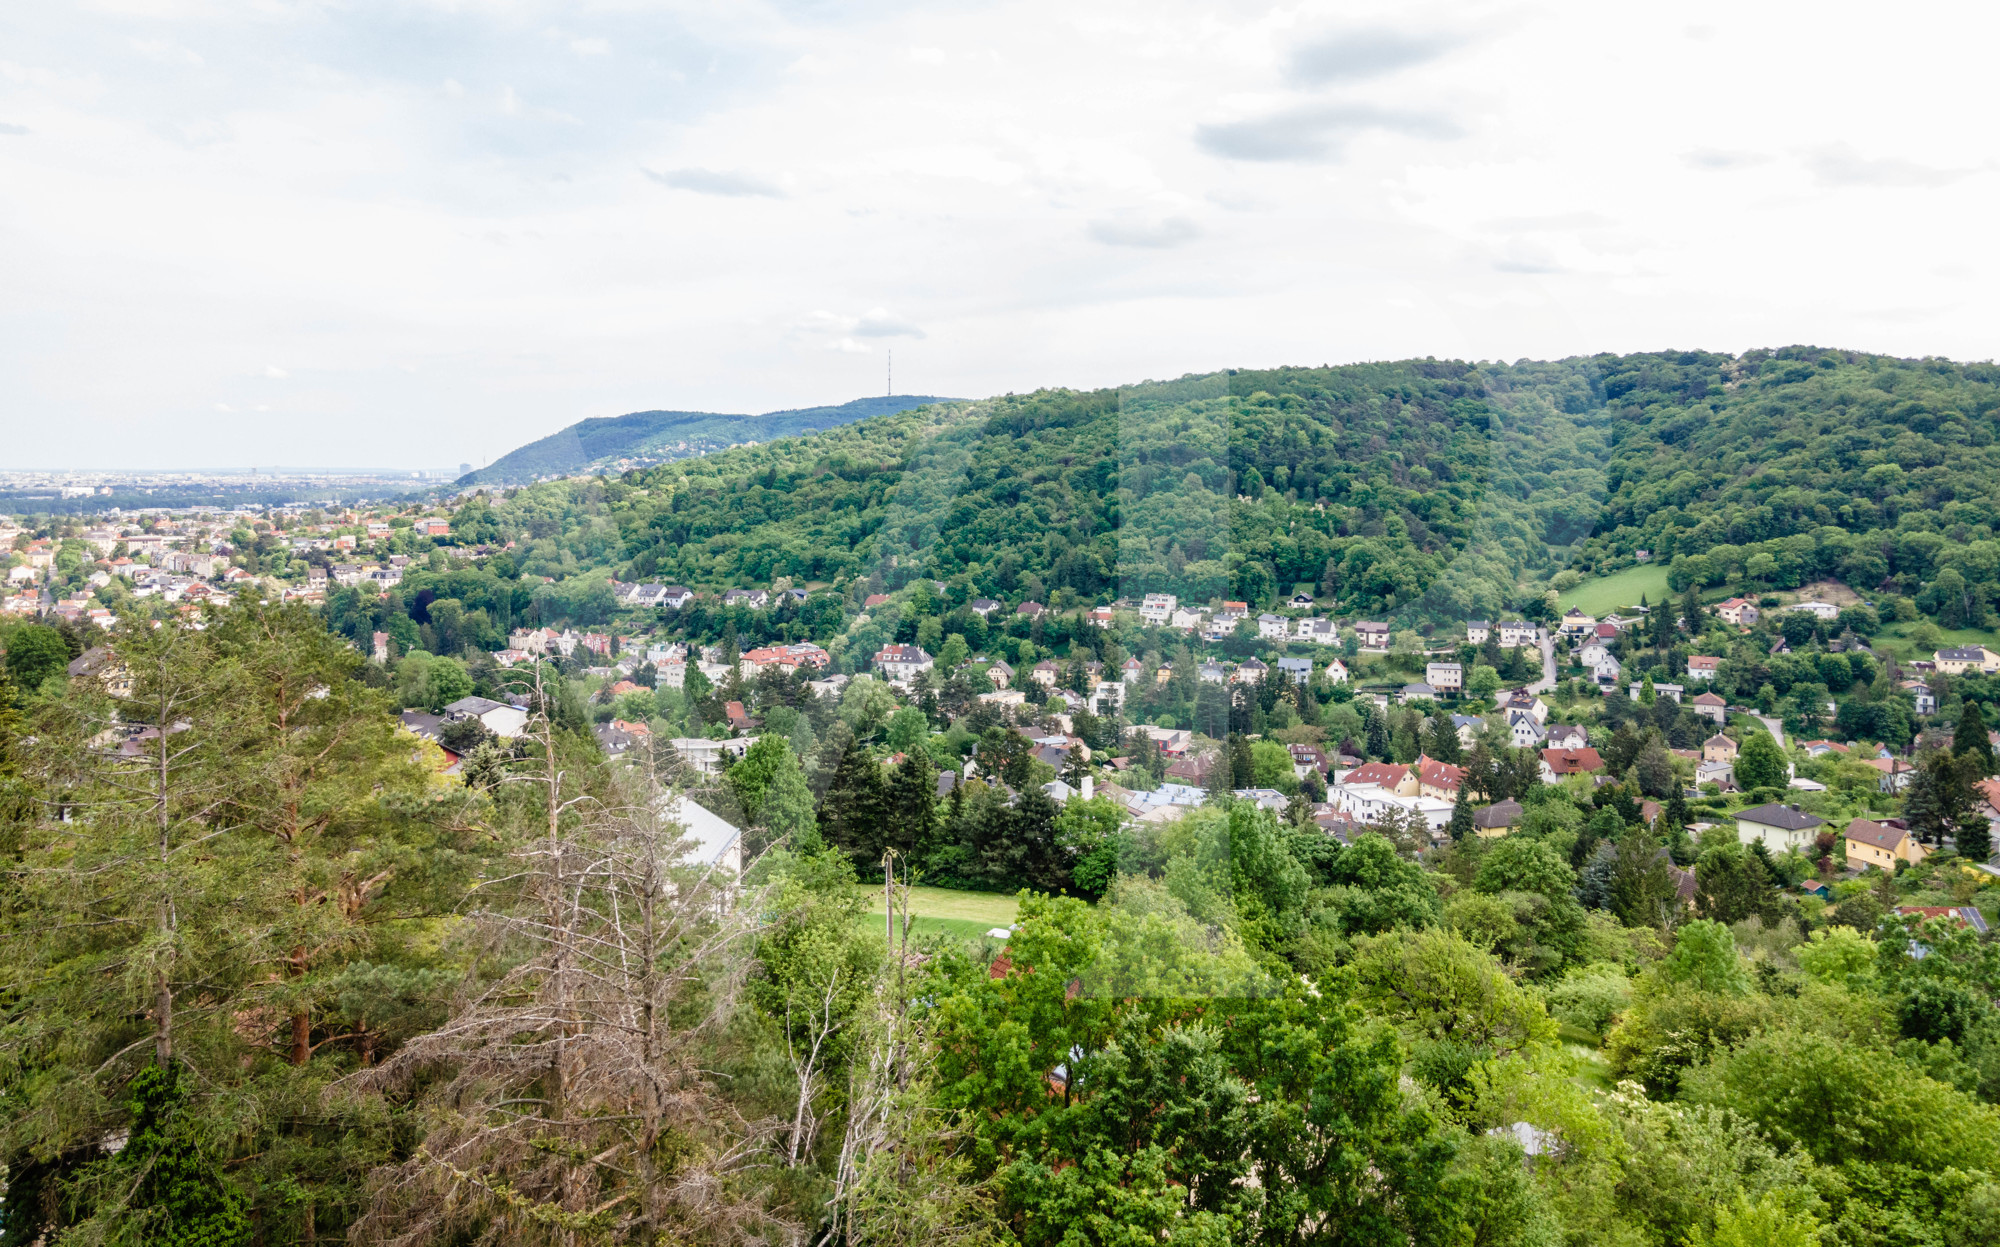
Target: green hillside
649,437
1422,491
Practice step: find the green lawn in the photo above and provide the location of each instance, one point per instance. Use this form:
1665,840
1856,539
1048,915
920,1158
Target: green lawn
989,909
945,911
1896,638
1601,594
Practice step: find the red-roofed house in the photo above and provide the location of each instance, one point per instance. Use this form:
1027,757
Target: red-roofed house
874,600
1558,763
1702,667
1739,611
1389,776
1438,779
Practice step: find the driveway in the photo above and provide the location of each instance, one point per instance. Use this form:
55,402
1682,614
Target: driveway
1547,683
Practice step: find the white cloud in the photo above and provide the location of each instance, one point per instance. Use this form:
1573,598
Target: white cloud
275,372
441,213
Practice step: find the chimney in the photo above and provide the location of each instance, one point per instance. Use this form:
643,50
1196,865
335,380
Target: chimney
1089,787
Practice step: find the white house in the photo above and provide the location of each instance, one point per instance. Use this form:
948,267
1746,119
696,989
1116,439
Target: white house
705,755
1477,630
1272,626
1781,827
1158,608
497,717
1592,652
1702,667
1297,670
1318,631
1336,671
710,839
1515,633
1370,803
1523,731
1445,677
1607,670
1816,608
1186,618
899,664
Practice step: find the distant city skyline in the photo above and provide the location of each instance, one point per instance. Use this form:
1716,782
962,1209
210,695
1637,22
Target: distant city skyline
428,234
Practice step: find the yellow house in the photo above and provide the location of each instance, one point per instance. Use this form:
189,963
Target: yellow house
1880,845
1718,748
1966,658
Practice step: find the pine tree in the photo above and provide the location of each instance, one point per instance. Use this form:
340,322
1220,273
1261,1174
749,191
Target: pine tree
1461,818
1969,743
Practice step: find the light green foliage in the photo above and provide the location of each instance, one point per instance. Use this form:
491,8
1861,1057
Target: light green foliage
1839,955
1521,864
1760,763
1271,766
1445,990
907,729
430,683
1705,959
866,705
1590,998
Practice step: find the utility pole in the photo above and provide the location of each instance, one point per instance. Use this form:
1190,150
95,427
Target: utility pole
892,373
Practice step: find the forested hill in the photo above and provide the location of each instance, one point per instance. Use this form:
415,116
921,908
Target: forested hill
655,436
1419,489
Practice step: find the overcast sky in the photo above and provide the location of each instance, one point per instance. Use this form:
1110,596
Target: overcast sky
421,232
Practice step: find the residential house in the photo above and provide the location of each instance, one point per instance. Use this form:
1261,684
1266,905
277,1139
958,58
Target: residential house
1418,692
1336,671
1576,624
1817,609
1966,915
1373,635
1296,670
1718,748
1234,611
1309,758
1964,658
1922,695
1445,677
1880,845
1607,670
1559,764
497,717
1318,631
1130,670
1193,770
1490,821
1031,610
676,597
755,599
1702,667
1438,780
1591,652
705,756
739,718
1711,707
1638,687
1389,776
874,600
1782,828
1157,608
1251,670
1301,602
1046,673
1522,730
900,664
1515,633
1739,611
1466,727
1522,699
1568,736
1172,741
999,673
100,664
1101,617
1477,630
1273,627
1186,618
1895,773
1211,672
983,607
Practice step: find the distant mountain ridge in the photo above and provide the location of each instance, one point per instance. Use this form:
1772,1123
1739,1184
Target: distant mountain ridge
645,438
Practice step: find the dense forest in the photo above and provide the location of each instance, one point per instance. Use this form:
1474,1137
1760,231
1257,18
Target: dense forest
1424,490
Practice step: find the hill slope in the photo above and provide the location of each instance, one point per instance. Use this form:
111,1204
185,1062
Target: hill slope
1418,490
644,438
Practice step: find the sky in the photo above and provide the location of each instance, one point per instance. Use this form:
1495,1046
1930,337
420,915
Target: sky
416,233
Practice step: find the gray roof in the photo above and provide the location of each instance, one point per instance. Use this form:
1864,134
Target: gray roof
1963,653
475,706
1788,817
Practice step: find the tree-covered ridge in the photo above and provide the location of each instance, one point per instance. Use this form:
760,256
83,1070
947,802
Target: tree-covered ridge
656,435
1421,490
1785,465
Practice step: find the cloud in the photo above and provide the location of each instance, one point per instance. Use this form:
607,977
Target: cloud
1365,52
590,47
224,408
8,127
275,373
927,56
881,323
1841,166
728,182
1314,131
1137,232
1717,159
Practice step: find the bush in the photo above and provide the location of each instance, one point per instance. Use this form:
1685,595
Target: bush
1591,999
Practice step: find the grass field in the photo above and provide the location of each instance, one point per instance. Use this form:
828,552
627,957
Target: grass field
1600,594
944,911
1895,637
